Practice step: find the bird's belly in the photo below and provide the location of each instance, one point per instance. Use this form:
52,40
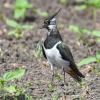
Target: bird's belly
58,62
55,58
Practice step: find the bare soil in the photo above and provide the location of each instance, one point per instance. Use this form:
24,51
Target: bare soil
15,53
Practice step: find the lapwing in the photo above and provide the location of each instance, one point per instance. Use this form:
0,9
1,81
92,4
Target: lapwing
57,52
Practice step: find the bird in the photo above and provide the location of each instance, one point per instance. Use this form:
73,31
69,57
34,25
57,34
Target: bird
57,52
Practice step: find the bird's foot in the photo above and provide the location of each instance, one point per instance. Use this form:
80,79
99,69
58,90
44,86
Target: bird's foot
65,83
52,79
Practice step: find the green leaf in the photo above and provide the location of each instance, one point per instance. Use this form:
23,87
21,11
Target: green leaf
98,40
96,33
2,82
11,23
19,13
63,2
26,26
87,60
98,56
97,70
22,4
55,96
38,52
78,29
74,28
10,89
86,30
51,87
94,3
20,8
58,76
82,7
17,26
18,73
42,13
15,33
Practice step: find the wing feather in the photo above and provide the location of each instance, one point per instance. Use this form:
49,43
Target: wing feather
67,55
43,51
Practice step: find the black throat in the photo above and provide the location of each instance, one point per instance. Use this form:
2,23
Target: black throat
53,37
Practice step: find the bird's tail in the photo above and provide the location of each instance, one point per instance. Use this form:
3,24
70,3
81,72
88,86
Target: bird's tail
77,75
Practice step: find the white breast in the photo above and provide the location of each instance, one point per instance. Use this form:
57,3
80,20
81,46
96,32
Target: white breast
54,57
53,52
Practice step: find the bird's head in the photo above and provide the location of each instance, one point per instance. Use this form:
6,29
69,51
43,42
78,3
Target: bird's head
50,22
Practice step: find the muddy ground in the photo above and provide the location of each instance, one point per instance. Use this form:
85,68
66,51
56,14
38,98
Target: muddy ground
20,53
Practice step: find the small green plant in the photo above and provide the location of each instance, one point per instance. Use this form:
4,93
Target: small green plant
16,28
95,4
40,13
83,31
38,52
90,59
20,8
58,76
80,32
63,2
55,96
51,87
8,88
88,3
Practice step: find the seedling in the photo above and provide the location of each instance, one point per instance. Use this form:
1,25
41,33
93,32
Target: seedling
40,13
63,2
12,90
80,32
95,4
55,96
16,28
51,87
58,76
38,52
89,3
90,59
21,7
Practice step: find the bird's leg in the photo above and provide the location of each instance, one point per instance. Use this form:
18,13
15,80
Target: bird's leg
64,76
52,69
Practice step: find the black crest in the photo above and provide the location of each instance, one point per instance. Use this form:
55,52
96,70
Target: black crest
48,19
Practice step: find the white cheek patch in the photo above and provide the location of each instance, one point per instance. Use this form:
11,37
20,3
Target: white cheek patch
52,27
54,19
